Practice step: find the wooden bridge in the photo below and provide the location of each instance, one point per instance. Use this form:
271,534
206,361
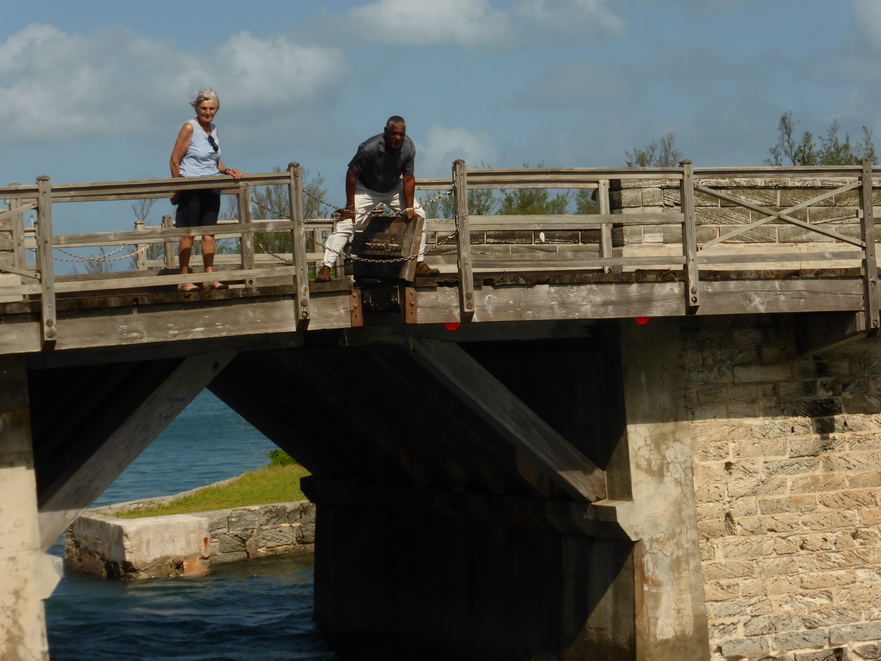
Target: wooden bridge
461,430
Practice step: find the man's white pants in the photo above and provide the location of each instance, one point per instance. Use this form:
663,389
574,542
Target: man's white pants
365,200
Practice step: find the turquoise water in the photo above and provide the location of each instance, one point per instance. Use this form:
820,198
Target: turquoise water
259,610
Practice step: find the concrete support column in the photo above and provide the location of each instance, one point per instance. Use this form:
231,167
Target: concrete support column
670,615
28,575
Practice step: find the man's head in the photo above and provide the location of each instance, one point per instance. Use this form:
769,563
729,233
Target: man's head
395,131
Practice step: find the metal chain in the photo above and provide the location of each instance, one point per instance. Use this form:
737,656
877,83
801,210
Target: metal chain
108,257
449,191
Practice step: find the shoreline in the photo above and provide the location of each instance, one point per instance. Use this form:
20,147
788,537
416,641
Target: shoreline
101,544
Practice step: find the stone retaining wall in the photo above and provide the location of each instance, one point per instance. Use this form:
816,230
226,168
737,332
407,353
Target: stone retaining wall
186,544
787,476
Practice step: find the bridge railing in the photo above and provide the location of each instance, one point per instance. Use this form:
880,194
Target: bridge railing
791,218
39,279
690,221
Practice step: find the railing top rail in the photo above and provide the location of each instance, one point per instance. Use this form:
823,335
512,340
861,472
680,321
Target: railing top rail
141,187
477,177
782,172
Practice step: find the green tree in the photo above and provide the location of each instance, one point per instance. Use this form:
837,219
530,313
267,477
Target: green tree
141,209
661,153
585,201
792,149
533,201
272,203
481,202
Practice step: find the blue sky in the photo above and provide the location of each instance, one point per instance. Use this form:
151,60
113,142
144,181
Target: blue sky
96,90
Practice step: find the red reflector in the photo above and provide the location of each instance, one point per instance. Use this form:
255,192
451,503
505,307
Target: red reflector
642,321
451,325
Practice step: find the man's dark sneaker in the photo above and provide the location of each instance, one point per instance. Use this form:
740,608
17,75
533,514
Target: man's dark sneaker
423,269
323,274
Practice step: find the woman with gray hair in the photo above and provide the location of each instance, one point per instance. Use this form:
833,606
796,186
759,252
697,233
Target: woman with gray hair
196,153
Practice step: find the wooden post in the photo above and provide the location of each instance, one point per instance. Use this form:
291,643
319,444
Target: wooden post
298,246
689,238
463,240
603,207
170,252
247,239
19,255
140,257
45,265
870,264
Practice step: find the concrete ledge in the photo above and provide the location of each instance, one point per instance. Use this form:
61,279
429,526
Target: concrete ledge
185,544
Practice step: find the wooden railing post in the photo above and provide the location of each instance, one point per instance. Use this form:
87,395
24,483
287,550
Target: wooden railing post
298,246
689,238
170,255
247,238
870,264
45,264
463,240
19,256
604,208
140,257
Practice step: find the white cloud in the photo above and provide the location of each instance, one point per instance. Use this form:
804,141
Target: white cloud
468,23
443,146
59,87
867,19
571,16
476,24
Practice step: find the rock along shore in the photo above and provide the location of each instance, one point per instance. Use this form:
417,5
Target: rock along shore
184,544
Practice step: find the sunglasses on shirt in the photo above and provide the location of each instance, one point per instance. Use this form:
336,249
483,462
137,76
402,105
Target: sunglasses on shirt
212,143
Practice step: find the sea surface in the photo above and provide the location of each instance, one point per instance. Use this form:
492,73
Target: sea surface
260,610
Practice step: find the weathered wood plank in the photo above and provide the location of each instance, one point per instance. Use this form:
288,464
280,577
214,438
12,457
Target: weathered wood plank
498,407
562,222
772,257
158,234
194,320
45,264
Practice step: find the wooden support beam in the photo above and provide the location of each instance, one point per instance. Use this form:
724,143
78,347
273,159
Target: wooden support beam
506,414
63,501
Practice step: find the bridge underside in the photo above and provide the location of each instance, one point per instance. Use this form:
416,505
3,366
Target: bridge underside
506,497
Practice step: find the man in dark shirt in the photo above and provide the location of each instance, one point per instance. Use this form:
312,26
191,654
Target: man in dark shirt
380,172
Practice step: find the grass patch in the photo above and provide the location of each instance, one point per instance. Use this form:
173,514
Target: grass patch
273,484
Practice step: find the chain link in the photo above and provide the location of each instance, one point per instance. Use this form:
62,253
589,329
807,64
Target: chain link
108,257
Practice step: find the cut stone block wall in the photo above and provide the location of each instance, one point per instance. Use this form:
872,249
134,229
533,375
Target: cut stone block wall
186,544
787,471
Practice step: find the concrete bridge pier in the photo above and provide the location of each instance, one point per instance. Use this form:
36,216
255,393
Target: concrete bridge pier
502,573
29,575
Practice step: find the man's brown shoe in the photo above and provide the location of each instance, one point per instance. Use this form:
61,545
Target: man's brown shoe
323,274
424,269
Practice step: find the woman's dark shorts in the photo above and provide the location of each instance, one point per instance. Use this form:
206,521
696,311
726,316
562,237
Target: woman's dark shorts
198,207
